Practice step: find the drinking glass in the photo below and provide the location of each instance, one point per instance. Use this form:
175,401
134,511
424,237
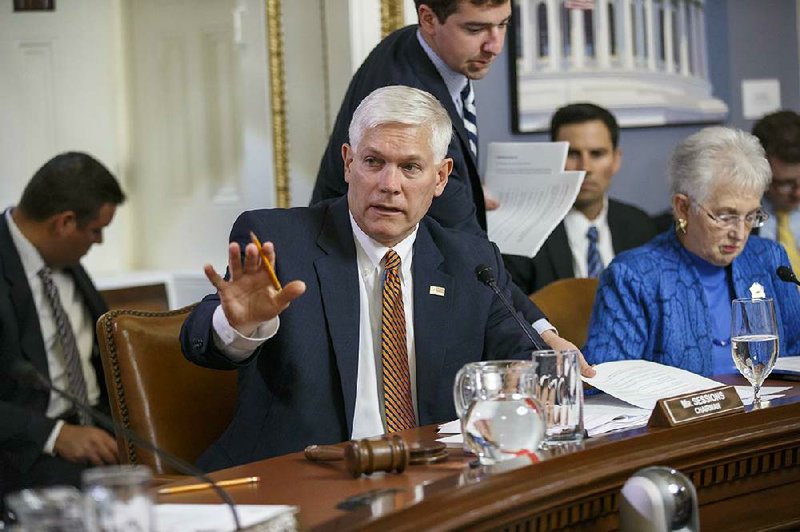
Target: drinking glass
118,499
754,340
51,509
501,418
559,389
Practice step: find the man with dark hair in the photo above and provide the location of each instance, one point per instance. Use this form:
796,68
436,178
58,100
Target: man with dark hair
48,311
596,228
779,134
455,42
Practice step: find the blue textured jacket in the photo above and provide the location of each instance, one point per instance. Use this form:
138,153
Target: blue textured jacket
651,305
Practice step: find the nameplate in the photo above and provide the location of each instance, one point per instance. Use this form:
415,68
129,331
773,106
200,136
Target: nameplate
686,408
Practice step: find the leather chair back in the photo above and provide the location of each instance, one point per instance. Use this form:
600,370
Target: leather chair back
567,303
155,392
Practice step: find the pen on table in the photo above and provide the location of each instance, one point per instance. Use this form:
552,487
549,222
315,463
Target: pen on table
206,485
275,282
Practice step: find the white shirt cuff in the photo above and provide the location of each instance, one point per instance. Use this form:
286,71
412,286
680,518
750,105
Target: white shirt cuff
50,444
235,345
542,325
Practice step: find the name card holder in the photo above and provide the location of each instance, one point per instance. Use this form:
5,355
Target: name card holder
695,406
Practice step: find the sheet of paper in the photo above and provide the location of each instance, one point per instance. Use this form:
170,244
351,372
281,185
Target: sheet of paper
603,413
451,427
642,383
217,517
787,366
767,393
533,190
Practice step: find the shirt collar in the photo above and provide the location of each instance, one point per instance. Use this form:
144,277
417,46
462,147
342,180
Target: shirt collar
579,220
30,257
375,251
454,81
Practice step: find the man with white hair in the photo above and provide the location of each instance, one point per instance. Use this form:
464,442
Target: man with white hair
383,309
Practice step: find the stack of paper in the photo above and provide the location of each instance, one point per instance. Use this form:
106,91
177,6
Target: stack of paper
218,517
534,191
604,413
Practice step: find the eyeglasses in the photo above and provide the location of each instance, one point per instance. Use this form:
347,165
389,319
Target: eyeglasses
730,220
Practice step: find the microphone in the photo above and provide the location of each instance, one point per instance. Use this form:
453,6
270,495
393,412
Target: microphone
27,373
486,276
786,275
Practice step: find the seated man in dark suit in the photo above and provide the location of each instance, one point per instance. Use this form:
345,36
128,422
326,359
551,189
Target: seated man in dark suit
384,310
597,227
48,311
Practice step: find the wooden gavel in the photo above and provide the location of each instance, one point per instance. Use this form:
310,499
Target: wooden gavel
390,453
365,456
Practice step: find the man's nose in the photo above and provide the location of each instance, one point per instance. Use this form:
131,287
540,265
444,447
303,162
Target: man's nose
390,179
495,38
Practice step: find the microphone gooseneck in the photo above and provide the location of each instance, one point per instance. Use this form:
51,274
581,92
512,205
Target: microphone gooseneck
26,372
485,275
786,275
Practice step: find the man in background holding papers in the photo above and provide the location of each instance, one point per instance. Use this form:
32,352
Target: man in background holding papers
597,227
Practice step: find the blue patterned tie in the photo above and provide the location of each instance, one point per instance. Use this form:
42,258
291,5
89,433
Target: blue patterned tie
470,118
593,257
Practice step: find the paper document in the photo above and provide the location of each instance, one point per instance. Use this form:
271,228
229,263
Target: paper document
787,367
217,517
603,413
767,393
642,383
534,191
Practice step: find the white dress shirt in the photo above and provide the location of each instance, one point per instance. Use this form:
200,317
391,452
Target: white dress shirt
577,225
79,317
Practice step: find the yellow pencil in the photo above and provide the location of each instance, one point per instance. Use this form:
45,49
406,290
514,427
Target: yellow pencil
206,485
275,282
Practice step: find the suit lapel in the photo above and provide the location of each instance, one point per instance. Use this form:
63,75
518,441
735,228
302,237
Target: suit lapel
560,253
431,314
28,329
618,230
338,282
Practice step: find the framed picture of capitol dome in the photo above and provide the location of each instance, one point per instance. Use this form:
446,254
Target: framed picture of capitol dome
645,60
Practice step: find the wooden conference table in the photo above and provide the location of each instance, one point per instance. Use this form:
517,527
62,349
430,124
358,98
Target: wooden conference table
745,466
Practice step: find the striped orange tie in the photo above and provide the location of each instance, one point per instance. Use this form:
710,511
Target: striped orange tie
394,352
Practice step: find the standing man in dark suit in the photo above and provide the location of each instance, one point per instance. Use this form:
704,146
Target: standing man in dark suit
597,227
336,366
454,43
48,311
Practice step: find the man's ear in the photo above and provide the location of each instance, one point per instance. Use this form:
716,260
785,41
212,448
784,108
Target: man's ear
347,159
63,222
442,175
427,19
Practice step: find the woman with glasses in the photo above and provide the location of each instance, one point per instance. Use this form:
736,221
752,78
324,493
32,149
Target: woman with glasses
669,301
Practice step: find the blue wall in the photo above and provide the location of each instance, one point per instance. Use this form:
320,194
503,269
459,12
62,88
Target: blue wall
747,39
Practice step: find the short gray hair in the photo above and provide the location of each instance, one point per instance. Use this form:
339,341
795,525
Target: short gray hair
718,155
398,104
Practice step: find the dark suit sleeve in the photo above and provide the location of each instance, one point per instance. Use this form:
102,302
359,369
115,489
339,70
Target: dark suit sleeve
23,434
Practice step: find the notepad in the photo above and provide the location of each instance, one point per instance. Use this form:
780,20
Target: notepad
217,517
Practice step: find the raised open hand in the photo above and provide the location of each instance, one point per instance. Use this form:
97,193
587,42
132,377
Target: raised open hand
248,297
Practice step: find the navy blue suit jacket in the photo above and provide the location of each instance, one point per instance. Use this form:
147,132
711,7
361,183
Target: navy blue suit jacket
400,60
299,387
24,428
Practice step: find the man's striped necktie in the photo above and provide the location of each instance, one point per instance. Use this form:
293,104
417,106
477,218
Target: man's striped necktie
398,405
470,117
